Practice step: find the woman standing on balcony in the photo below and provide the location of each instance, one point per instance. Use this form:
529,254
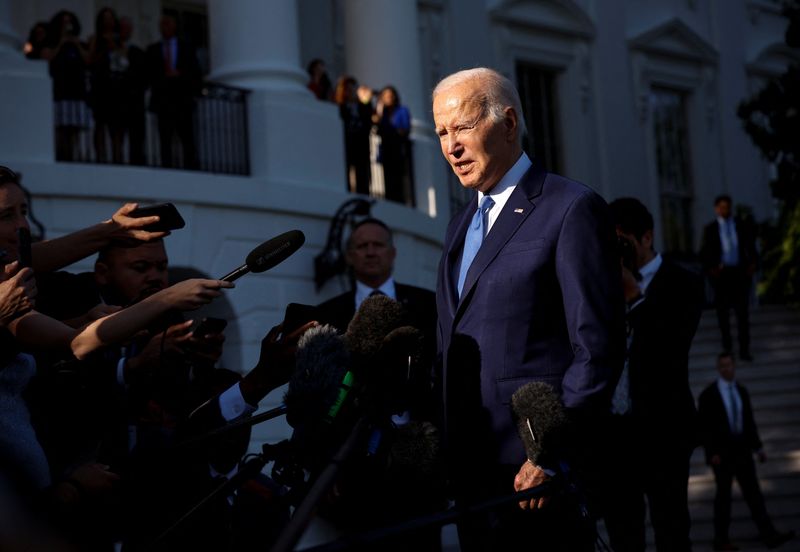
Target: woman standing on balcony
68,58
394,126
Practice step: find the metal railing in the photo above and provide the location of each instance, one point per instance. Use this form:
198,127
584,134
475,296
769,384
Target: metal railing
219,131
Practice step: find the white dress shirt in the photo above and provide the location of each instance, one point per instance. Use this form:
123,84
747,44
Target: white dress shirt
502,190
729,392
363,291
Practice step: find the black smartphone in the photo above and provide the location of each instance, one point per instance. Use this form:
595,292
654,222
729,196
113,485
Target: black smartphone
169,217
209,325
296,315
24,241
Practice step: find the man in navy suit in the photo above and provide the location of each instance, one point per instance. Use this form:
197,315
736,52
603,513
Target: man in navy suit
528,290
175,80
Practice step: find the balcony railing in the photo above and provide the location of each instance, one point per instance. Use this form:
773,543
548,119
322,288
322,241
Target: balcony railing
219,131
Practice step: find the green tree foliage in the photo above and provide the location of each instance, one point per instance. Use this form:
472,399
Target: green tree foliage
772,120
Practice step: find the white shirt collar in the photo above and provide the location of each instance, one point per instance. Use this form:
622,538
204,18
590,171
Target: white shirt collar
502,190
363,291
648,271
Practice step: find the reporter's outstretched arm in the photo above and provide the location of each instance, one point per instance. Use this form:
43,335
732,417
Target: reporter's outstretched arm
40,331
57,253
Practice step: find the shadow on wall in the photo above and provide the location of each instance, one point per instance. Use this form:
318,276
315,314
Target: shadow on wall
220,308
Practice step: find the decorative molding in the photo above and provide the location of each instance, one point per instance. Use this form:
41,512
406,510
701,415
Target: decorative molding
756,7
772,60
675,39
564,17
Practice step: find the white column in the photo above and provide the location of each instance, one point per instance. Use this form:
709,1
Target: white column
382,47
255,44
26,98
9,39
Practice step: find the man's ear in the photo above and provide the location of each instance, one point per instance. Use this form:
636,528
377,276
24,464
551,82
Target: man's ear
647,238
510,123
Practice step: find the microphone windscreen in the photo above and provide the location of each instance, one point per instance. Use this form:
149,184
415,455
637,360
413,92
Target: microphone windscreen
541,421
375,319
322,362
273,252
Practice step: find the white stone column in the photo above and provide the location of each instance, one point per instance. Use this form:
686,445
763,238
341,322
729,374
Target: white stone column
382,47
255,44
26,98
294,138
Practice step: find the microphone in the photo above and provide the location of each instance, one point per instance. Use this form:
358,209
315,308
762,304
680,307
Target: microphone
269,254
542,422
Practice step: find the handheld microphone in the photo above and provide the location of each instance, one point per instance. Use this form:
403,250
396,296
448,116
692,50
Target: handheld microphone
542,422
269,254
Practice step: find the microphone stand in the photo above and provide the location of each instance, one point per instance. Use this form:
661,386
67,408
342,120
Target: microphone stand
245,422
304,512
247,471
438,519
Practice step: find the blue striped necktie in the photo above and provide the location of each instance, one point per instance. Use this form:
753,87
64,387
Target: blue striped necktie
474,239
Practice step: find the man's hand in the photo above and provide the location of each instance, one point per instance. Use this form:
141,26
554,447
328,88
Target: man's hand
275,364
17,292
530,475
169,343
715,460
630,287
93,479
192,294
762,456
128,228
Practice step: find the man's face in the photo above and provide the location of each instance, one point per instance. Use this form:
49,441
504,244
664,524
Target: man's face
13,215
642,247
132,274
723,209
168,27
479,150
726,368
371,255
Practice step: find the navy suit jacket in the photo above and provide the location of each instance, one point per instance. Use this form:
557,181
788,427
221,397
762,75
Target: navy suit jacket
542,301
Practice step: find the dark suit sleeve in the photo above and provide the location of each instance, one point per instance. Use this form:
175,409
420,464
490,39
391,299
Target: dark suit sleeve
588,272
708,415
749,423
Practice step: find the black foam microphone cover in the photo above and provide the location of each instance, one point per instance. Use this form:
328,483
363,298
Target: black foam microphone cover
541,421
375,319
273,252
322,360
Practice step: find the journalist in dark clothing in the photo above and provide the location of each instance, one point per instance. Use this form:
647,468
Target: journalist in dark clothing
652,431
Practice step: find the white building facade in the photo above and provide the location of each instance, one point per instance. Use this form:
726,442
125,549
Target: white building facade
632,97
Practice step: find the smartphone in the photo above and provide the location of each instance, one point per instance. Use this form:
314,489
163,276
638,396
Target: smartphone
296,315
24,241
209,325
169,217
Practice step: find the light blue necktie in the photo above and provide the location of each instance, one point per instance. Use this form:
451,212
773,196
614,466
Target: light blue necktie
474,239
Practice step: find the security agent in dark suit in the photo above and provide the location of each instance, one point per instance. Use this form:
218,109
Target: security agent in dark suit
652,430
174,75
730,439
729,257
370,255
528,290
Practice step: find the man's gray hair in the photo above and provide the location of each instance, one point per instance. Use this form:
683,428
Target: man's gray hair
497,93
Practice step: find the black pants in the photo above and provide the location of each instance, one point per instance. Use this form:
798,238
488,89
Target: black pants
177,121
739,464
732,291
657,471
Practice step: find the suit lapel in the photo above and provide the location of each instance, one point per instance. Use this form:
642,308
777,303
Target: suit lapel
516,210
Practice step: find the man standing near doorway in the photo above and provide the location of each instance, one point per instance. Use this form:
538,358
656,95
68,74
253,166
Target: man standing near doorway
729,257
